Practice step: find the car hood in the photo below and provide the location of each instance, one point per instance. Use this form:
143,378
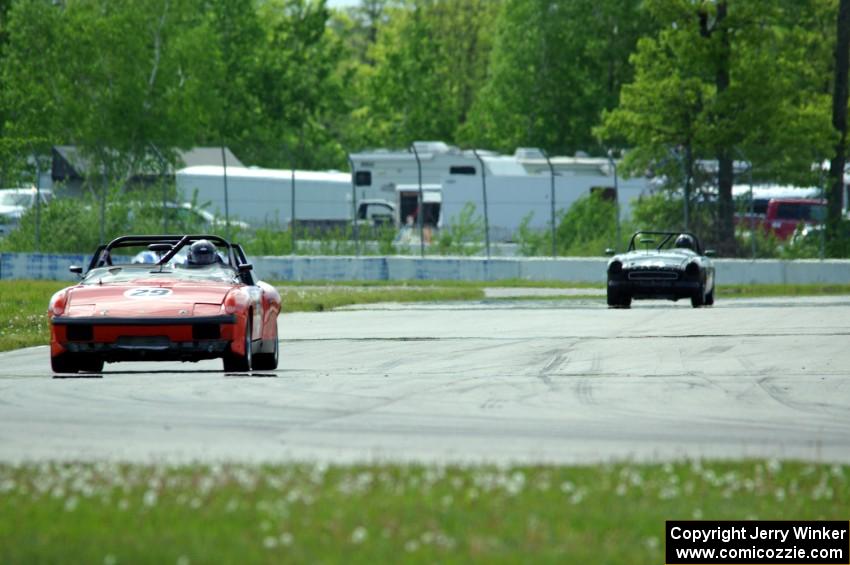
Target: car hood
644,260
147,298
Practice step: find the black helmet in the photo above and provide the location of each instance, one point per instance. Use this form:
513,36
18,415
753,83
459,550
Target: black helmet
686,242
202,252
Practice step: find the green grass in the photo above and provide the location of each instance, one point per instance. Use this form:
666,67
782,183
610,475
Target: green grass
761,290
23,304
312,299
613,513
23,312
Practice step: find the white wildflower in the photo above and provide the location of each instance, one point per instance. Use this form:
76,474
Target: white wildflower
359,535
411,546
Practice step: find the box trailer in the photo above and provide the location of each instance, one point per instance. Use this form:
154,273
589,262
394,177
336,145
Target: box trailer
264,197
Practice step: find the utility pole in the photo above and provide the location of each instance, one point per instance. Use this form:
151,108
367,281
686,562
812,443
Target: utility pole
484,197
420,211
551,198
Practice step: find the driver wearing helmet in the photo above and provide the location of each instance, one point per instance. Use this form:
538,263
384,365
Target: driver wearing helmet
685,241
202,252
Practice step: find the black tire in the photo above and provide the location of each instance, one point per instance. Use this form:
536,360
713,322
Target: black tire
91,364
268,361
233,362
709,298
698,299
618,300
64,363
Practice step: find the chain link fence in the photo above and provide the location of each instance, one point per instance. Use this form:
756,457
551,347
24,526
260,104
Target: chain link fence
66,201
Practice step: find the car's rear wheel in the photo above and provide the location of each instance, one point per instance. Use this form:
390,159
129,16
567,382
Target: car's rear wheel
268,361
64,363
75,363
91,364
234,362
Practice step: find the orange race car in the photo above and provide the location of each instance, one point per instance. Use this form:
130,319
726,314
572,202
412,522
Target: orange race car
179,298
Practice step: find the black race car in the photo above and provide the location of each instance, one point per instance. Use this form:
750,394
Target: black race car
660,264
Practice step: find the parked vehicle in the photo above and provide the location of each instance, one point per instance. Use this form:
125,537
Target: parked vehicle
14,202
784,215
184,217
323,200
518,186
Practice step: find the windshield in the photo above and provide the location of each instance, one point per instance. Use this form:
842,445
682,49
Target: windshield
126,273
15,199
801,211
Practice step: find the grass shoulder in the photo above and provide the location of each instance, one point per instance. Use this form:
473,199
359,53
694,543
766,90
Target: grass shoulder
106,512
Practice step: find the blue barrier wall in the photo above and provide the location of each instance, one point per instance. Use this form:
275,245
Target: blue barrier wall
569,269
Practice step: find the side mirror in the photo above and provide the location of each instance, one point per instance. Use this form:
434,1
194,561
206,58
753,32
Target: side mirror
76,269
245,267
710,253
610,251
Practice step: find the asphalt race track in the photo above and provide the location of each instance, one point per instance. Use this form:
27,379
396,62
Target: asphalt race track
501,381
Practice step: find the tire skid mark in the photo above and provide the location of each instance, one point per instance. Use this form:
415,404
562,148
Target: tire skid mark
778,394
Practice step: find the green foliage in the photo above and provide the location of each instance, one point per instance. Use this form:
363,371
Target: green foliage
588,227
268,241
73,224
554,67
109,76
429,61
464,235
532,242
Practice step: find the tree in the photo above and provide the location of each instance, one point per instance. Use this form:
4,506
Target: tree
554,67
718,83
111,77
301,86
430,58
839,120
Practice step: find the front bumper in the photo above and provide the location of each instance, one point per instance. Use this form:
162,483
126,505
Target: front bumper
669,289
144,339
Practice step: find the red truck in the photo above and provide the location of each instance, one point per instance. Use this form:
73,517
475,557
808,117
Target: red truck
783,215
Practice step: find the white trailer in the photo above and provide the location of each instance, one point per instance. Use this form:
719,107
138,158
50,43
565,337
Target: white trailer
517,185
263,197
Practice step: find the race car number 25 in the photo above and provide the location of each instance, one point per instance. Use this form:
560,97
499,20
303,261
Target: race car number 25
147,292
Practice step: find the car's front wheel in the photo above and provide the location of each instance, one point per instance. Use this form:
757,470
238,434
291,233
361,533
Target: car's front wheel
268,361
618,300
234,362
698,300
709,298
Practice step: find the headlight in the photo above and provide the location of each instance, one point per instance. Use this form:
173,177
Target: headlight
692,271
57,303
233,302
615,268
